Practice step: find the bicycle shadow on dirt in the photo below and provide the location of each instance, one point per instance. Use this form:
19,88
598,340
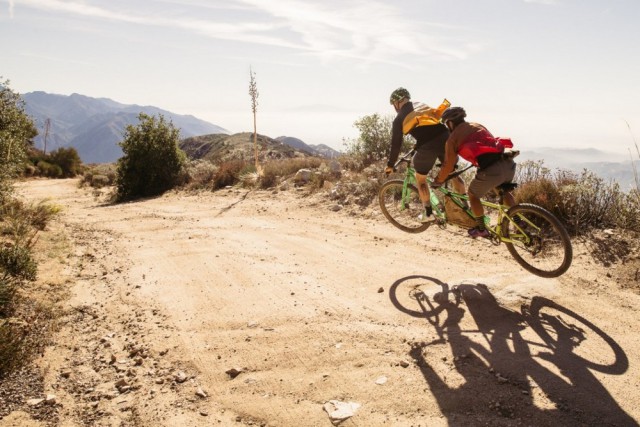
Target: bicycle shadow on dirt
505,364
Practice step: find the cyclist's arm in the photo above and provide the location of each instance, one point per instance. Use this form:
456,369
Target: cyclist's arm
396,141
450,159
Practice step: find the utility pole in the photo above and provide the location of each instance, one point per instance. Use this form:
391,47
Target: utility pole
47,126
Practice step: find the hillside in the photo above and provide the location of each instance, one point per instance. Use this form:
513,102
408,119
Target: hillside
319,150
238,146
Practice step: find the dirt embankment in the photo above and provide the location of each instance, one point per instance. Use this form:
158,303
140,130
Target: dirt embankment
269,308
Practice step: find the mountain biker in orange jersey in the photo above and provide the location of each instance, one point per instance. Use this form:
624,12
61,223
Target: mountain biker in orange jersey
474,143
423,123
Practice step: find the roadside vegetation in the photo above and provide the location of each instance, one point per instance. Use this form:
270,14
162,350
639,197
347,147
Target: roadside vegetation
24,319
583,201
60,163
154,163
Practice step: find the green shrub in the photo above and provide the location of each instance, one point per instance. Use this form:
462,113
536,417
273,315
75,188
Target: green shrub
152,160
49,170
16,267
99,176
16,136
23,322
99,181
68,160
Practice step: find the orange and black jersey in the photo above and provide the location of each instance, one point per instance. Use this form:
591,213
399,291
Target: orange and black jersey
409,122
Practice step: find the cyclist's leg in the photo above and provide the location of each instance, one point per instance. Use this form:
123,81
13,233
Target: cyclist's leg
423,162
507,197
423,188
485,180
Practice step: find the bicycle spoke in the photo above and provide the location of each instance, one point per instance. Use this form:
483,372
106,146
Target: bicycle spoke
402,211
538,241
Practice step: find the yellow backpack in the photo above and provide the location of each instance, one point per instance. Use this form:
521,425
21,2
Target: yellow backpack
423,115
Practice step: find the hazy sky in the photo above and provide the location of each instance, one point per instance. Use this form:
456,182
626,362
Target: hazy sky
544,72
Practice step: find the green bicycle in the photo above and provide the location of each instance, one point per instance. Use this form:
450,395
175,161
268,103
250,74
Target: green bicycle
535,238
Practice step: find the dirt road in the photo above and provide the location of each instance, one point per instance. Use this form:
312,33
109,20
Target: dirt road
269,308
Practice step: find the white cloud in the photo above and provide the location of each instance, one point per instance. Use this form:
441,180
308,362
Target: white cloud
368,31
550,2
11,7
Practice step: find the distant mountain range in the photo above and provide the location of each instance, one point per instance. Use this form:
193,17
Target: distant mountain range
95,126
609,166
319,150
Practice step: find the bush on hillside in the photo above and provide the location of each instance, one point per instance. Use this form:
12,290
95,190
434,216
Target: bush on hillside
199,174
582,201
152,160
374,141
99,175
228,173
280,169
60,163
68,160
44,168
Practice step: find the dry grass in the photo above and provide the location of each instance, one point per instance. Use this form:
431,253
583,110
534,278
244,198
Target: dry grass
582,201
23,320
275,170
100,175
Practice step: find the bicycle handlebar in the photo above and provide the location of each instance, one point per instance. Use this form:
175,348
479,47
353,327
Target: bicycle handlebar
405,158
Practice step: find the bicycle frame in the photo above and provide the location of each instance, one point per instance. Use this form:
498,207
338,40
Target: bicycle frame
461,201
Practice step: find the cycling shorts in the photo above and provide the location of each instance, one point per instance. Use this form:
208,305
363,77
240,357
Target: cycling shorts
428,152
487,179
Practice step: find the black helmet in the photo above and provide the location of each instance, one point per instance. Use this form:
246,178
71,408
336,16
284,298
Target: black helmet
454,114
399,94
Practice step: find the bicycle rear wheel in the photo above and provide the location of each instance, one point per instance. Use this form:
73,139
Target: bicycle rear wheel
402,211
541,244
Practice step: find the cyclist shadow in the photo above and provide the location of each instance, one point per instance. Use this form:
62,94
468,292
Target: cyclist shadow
517,364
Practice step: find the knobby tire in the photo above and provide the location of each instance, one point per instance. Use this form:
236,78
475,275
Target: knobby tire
405,218
548,252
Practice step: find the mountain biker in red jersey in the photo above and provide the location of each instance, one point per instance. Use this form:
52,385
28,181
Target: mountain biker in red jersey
423,123
474,143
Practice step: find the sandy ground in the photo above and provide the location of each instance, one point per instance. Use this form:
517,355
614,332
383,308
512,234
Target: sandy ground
270,309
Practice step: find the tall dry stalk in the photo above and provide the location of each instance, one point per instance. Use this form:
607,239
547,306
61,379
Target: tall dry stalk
253,92
636,176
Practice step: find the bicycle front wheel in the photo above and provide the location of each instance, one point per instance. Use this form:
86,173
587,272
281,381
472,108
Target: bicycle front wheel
539,242
402,208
